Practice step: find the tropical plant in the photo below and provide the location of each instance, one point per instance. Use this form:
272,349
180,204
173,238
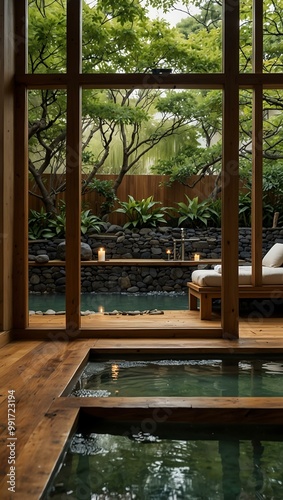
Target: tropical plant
245,209
143,213
215,208
58,223
39,225
90,223
47,225
194,213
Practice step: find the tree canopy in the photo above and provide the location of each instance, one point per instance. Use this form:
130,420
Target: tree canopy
123,37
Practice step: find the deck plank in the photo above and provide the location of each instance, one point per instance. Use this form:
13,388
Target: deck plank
39,371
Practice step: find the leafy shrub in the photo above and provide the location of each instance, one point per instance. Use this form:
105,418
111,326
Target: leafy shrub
195,213
105,189
46,225
39,225
142,213
245,210
90,223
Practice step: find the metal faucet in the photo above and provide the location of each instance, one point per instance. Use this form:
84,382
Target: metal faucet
182,244
182,240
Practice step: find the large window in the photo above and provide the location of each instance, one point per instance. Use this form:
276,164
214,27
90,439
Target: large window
194,51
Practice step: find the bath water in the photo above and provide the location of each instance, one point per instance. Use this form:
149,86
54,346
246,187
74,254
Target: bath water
227,376
176,462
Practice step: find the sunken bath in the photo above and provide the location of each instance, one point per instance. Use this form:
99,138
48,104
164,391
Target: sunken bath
124,460
185,376
169,447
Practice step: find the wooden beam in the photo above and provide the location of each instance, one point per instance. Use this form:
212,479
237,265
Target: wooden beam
6,162
137,80
257,60
20,266
73,168
230,171
257,160
257,135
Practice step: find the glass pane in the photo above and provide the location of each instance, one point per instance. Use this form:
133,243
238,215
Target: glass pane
47,36
184,37
47,182
273,36
140,145
272,158
246,36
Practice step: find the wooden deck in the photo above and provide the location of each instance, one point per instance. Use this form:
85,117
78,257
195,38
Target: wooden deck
39,371
170,324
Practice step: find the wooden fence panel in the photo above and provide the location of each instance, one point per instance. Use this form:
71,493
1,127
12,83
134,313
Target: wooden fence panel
138,186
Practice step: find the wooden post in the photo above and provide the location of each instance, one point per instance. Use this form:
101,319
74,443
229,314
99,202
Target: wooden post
275,220
73,169
257,134
20,266
230,171
6,161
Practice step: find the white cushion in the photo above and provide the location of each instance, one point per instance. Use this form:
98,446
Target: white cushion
274,257
270,276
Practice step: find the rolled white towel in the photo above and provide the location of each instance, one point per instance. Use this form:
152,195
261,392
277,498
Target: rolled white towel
217,268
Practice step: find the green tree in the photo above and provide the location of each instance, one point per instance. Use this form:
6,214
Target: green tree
115,38
204,156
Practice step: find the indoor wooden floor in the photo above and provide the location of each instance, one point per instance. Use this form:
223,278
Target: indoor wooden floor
39,371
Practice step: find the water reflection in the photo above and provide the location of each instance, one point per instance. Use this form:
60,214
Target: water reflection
180,462
189,378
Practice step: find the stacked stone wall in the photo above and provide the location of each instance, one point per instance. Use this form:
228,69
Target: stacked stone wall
143,244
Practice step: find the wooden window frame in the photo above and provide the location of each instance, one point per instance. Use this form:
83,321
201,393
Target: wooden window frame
230,81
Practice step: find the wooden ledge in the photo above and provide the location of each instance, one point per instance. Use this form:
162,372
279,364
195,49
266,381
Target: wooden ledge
132,262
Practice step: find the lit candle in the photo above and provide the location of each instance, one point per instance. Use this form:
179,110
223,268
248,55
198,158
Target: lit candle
101,254
168,254
196,256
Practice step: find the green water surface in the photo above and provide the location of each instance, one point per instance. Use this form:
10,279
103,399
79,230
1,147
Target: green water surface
225,377
204,464
108,302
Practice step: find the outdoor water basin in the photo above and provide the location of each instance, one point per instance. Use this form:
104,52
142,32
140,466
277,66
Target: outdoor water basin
176,461
190,376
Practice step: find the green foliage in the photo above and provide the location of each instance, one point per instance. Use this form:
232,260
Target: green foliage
215,207
143,213
105,189
194,213
58,223
245,205
39,225
90,223
44,225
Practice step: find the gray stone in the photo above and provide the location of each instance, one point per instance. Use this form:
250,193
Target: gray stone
127,256
156,251
121,238
176,273
124,282
148,280
41,258
86,251
34,279
133,289
60,281
114,228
